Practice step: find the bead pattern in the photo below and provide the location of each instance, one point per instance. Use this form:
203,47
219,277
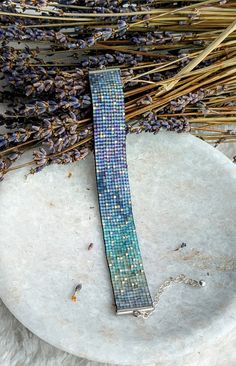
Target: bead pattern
123,254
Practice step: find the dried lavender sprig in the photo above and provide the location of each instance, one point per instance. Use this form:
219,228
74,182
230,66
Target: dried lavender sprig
6,163
159,37
14,32
42,159
110,59
77,105
153,123
55,134
194,98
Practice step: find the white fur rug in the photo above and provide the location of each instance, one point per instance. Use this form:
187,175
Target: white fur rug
19,347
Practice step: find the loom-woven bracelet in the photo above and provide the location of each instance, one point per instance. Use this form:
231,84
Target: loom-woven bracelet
123,254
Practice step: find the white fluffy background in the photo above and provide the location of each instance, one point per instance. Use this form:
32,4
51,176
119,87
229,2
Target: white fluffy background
19,347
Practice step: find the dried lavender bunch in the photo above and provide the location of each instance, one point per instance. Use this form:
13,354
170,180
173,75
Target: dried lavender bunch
86,34
46,85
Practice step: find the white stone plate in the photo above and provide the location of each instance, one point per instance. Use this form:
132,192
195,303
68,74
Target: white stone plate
183,191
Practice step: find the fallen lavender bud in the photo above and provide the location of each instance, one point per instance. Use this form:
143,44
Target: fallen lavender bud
91,245
76,292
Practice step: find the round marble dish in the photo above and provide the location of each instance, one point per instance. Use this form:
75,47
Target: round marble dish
183,191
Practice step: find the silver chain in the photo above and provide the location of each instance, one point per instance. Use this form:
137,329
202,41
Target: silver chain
167,283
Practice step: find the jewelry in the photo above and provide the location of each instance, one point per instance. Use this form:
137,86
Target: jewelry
130,288
131,292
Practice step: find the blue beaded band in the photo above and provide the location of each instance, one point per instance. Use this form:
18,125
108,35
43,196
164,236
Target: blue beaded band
121,244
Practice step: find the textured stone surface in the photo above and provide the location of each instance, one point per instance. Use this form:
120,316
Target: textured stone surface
183,191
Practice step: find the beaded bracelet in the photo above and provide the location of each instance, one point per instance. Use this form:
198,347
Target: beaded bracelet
130,288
